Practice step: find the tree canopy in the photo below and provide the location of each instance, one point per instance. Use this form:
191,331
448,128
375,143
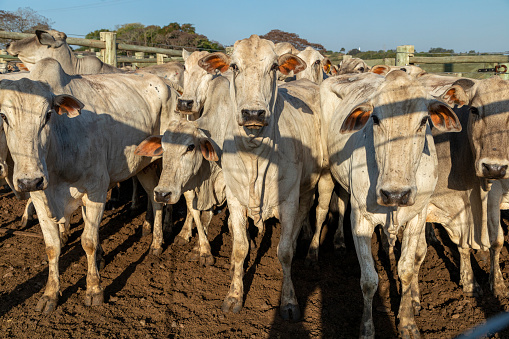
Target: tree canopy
23,20
277,35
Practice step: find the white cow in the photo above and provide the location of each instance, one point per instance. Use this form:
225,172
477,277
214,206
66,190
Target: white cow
317,68
68,152
382,152
271,155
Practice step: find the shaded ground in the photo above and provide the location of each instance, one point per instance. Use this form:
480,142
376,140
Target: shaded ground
163,297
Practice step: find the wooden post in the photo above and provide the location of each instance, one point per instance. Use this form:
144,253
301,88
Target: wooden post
346,57
403,54
138,55
160,58
110,51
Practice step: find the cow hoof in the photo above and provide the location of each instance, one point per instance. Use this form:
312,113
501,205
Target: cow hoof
206,259
94,299
409,332
290,312
500,290
180,241
64,237
474,291
146,229
100,263
231,304
156,251
46,304
109,206
26,221
194,255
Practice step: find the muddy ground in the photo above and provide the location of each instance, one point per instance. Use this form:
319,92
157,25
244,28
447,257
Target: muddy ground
170,297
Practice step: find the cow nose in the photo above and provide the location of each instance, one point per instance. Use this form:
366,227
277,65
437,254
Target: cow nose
162,196
7,45
493,171
29,185
396,198
253,114
185,105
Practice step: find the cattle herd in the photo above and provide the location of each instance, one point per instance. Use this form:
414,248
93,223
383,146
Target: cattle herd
271,132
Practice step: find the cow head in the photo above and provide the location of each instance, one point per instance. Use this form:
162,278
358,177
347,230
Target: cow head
28,110
253,90
488,127
352,65
45,44
317,65
183,148
196,84
398,115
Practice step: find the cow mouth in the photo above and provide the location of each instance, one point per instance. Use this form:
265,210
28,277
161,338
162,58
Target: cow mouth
254,124
189,112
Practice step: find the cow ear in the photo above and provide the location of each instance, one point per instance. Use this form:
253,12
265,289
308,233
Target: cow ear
380,69
45,38
334,70
22,67
150,147
357,118
443,117
289,62
207,150
67,104
185,54
327,65
458,93
215,61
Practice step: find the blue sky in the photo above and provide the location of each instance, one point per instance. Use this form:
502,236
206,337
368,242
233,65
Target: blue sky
369,24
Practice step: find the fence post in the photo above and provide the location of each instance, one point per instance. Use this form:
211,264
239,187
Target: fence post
3,63
110,51
160,58
403,54
505,76
390,61
138,55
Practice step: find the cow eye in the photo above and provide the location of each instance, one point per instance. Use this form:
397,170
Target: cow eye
274,67
376,121
184,68
190,148
317,62
4,118
474,111
361,69
48,116
234,67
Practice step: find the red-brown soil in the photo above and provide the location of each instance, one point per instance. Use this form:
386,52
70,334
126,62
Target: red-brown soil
170,297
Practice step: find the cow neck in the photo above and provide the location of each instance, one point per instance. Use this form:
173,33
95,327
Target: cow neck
256,149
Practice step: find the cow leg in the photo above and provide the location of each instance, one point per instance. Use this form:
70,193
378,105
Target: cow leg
149,180
362,231
325,188
51,234
420,253
90,242
168,218
149,220
187,230
206,219
135,197
291,218
496,235
201,251
28,214
238,216
467,278
342,201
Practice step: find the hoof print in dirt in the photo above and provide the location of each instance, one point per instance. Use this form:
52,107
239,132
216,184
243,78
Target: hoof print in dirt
94,299
231,304
46,304
290,312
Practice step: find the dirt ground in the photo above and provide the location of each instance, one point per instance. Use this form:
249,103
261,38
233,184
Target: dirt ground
170,297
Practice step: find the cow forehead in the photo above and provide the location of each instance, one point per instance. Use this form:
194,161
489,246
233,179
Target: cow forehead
310,54
24,93
180,133
400,95
492,93
254,51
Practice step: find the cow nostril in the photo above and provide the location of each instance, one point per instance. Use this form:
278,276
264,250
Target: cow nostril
405,197
261,114
385,195
39,184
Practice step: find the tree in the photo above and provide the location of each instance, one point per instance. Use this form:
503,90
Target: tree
24,20
277,35
440,50
96,35
353,51
342,50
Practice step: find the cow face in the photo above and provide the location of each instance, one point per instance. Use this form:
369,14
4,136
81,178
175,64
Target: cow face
183,147
196,85
45,44
316,63
352,65
28,110
488,129
253,89
398,115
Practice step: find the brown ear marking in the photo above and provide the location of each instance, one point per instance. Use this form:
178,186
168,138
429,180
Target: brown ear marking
150,147
215,61
208,151
380,69
327,65
356,119
443,117
289,62
455,95
67,104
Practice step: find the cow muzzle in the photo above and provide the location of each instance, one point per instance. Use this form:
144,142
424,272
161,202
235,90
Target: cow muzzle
493,171
400,198
30,185
185,105
165,196
253,119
